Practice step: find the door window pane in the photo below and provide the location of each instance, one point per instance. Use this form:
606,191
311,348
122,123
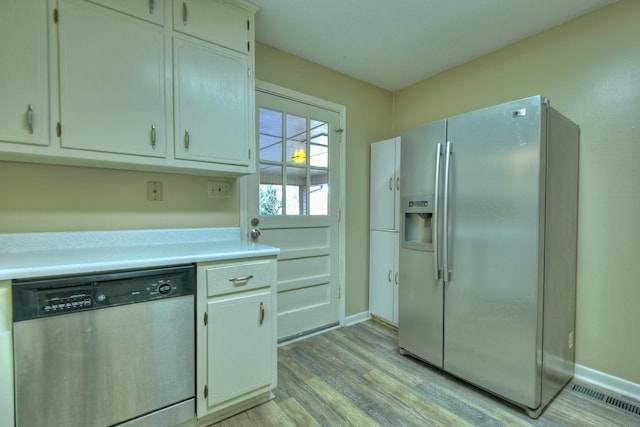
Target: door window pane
270,191
297,134
319,193
270,135
296,203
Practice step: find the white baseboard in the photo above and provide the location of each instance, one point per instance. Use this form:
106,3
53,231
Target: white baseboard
606,381
357,318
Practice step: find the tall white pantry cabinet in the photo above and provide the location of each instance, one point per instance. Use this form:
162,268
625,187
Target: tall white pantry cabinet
384,224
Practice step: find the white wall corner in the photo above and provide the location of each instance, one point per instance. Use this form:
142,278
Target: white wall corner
599,379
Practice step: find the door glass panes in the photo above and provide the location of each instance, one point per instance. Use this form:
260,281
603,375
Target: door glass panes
270,191
319,192
294,164
296,203
297,133
270,135
319,144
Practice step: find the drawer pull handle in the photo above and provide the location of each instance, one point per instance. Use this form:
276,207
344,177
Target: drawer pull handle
243,279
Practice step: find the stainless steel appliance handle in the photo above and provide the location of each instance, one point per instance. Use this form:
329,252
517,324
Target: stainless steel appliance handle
445,213
437,273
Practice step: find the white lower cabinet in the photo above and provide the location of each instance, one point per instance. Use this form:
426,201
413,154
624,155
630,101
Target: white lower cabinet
384,275
236,336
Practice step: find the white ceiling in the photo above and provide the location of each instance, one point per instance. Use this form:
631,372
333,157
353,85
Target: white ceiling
395,43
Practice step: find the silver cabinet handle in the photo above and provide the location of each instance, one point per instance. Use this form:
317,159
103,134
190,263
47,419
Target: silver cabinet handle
437,273
391,183
184,13
261,313
389,276
30,118
243,279
397,278
398,183
153,136
445,214
186,140
152,6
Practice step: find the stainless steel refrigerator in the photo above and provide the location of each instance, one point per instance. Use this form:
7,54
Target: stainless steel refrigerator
488,248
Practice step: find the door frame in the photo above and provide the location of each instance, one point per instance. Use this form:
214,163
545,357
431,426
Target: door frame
293,95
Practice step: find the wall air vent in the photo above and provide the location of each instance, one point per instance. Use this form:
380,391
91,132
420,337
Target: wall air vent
605,398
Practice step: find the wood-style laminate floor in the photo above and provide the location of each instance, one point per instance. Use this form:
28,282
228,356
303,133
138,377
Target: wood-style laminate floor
355,376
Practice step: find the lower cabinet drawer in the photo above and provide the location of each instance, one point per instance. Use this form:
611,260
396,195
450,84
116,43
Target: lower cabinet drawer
243,276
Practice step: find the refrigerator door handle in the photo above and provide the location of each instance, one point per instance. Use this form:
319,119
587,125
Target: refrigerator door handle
437,273
445,213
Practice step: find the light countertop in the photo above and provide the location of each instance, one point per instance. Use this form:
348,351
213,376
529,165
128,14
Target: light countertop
30,255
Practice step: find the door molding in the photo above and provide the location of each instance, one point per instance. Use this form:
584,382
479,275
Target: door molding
291,94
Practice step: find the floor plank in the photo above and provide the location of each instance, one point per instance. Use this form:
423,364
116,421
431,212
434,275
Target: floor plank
355,376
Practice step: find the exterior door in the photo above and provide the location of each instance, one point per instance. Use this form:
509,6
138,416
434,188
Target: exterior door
294,202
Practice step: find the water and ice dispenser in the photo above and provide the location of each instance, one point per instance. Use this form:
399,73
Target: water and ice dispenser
417,217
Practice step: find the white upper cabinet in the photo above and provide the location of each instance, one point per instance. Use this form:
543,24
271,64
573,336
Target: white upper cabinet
211,103
149,10
133,84
385,185
24,85
112,82
217,22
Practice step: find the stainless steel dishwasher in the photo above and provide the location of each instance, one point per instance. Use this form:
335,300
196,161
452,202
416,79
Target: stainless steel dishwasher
105,349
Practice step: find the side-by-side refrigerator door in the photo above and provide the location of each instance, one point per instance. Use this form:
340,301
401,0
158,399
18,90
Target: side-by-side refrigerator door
492,290
420,318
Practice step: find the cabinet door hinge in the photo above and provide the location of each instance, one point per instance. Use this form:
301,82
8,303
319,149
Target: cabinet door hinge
206,391
58,129
249,153
248,46
339,292
55,15
206,319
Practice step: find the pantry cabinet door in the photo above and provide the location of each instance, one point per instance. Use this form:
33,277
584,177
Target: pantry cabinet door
112,82
212,102
24,103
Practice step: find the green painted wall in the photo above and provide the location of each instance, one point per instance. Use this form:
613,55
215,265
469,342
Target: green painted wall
590,70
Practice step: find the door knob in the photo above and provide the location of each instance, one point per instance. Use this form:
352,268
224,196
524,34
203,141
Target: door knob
255,233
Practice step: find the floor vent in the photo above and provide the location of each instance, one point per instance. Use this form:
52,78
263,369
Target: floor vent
609,400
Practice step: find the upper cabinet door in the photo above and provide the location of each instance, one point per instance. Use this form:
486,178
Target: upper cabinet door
215,21
24,103
112,81
385,184
211,99
149,10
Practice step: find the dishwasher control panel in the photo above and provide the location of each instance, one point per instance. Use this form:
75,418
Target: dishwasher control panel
53,296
